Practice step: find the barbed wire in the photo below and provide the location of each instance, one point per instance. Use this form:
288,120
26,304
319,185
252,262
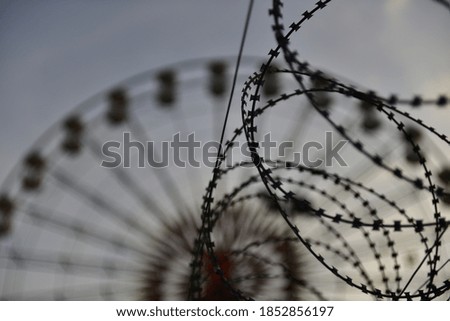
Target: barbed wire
251,97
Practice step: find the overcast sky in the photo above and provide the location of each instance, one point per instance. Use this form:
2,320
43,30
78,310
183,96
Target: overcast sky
56,53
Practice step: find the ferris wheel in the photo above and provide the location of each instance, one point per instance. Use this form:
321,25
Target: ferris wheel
125,199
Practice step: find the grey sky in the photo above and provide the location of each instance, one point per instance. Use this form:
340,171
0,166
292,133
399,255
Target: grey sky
56,53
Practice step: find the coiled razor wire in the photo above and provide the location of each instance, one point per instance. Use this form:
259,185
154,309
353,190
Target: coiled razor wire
274,185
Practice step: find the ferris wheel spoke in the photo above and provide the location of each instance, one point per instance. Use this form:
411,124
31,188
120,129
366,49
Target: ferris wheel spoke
167,182
82,232
65,264
130,185
78,291
100,203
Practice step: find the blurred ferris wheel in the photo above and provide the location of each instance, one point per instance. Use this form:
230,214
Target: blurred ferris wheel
250,226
